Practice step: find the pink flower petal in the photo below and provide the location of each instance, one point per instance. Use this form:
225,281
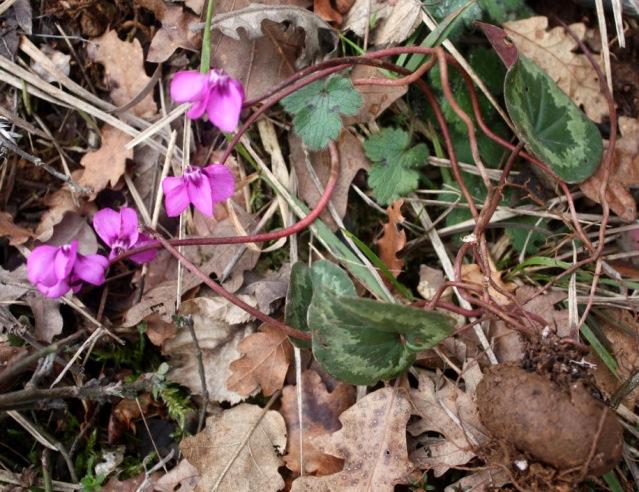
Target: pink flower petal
40,264
91,268
64,259
176,197
221,180
128,226
57,290
145,256
106,223
198,108
199,191
225,104
189,86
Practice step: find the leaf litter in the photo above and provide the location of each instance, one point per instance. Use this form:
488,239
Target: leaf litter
410,431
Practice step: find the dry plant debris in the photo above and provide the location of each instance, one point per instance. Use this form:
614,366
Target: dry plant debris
393,239
240,449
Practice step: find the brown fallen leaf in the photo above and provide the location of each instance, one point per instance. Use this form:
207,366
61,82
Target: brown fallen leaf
219,327
352,160
132,484
485,480
624,173
175,32
375,98
554,51
430,281
621,330
238,450
372,443
17,235
446,409
393,239
320,412
107,164
264,363
472,274
184,477
326,11
395,21
269,53
75,226
124,71
158,330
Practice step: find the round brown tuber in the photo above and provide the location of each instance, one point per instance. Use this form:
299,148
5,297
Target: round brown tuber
553,425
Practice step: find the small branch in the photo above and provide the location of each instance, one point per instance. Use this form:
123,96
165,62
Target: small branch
188,322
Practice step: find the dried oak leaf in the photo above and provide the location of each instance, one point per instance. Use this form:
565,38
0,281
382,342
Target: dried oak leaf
393,239
375,98
624,173
107,164
352,160
271,42
219,327
17,235
320,412
264,363
124,71
395,21
175,32
553,51
238,450
184,477
446,409
372,443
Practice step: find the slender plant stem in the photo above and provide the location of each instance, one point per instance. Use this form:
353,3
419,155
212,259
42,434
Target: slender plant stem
205,59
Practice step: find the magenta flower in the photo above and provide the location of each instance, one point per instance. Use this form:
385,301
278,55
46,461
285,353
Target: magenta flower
55,270
215,93
201,186
119,230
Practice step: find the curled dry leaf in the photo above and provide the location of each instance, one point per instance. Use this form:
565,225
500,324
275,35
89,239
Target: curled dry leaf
372,443
352,160
17,235
107,164
320,412
375,98
395,21
553,50
219,327
46,314
124,71
266,356
260,438
393,239
446,409
175,32
624,173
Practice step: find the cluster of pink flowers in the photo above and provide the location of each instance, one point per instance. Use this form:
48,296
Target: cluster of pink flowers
55,270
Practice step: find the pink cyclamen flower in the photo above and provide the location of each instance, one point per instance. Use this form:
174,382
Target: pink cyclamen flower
57,269
119,230
201,186
215,93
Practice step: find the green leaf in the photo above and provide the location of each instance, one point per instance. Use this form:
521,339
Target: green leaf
361,341
316,109
500,11
531,236
298,299
326,275
393,173
444,8
550,124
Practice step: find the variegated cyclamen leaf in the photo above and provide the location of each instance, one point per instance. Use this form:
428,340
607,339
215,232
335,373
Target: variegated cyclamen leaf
326,275
550,124
359,341
298,299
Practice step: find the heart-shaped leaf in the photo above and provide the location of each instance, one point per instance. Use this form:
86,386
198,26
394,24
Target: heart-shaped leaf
550,124
298,299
